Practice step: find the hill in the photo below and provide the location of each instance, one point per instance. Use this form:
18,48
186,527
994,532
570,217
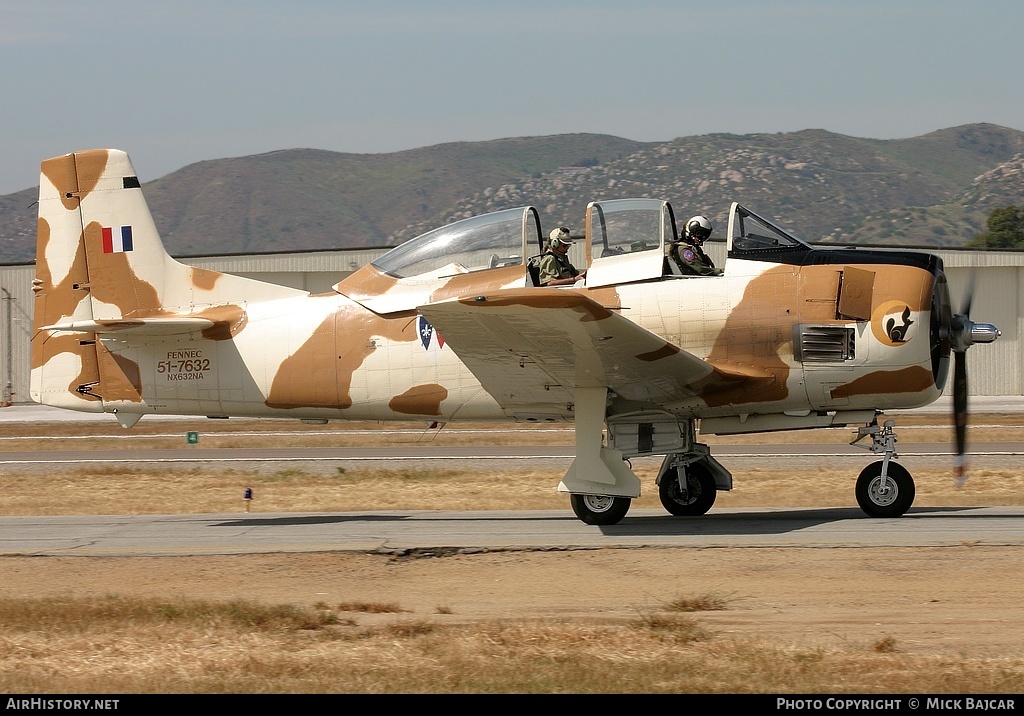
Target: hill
305,199
934,190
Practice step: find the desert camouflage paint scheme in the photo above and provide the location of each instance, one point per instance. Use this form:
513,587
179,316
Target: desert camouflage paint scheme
449,326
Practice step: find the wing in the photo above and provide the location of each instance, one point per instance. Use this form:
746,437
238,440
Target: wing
530,348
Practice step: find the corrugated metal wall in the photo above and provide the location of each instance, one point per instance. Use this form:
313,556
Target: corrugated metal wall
996,369
313,271
15,331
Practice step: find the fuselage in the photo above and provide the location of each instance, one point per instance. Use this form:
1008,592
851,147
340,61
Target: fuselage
329,356
122,327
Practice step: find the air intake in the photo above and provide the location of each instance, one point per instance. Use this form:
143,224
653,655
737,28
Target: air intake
823,344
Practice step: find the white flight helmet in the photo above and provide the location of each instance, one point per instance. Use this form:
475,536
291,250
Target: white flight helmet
697,230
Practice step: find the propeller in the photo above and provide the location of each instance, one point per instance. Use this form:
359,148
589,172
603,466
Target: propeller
963,334
960,416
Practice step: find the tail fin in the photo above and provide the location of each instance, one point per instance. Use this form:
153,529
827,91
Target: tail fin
101,269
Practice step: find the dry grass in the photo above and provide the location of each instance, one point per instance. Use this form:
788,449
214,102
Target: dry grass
699,603
157,490
116,645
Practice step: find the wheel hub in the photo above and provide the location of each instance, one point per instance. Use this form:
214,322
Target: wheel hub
883,491
599,503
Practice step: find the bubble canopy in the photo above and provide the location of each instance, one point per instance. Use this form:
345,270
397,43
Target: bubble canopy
501,238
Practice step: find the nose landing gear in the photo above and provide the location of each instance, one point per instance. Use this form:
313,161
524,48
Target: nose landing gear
884,488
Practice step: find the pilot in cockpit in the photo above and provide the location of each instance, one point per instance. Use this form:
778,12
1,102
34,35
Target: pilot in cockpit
555,267
688,253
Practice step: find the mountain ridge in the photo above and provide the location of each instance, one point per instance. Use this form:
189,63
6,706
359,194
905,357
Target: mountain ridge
935,190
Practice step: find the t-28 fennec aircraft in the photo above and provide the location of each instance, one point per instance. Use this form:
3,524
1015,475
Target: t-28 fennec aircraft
450,326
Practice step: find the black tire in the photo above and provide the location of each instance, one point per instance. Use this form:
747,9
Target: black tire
600,509
895,501
701,491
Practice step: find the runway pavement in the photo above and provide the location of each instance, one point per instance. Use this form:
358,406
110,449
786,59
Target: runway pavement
447,532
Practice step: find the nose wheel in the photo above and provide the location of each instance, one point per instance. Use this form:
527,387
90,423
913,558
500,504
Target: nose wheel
885,495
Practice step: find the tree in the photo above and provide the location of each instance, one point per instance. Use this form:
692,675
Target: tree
1005,230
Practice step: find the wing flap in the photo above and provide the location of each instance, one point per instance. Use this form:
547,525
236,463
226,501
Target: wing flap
531,348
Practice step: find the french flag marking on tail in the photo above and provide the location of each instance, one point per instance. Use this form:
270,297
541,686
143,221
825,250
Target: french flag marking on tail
117,242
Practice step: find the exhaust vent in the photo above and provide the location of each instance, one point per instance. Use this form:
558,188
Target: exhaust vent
823,344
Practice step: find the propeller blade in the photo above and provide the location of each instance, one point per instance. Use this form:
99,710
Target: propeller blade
965,308
964,339
960,415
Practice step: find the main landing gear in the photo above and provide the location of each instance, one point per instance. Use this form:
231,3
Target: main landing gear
688,491
600,509
687,486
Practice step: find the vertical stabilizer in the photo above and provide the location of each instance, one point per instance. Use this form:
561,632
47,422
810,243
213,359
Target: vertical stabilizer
127,264
101,268
99,263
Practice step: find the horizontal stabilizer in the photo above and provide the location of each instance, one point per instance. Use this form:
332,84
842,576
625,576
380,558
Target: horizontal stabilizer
146,326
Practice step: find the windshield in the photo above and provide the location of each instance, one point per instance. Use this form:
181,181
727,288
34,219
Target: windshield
624,226
750,232
475,244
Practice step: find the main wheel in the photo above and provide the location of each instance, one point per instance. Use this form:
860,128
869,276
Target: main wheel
600,509
891,500
700,491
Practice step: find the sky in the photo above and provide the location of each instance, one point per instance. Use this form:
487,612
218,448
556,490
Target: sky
173,83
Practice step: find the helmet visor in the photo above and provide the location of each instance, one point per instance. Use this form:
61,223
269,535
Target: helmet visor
697,231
